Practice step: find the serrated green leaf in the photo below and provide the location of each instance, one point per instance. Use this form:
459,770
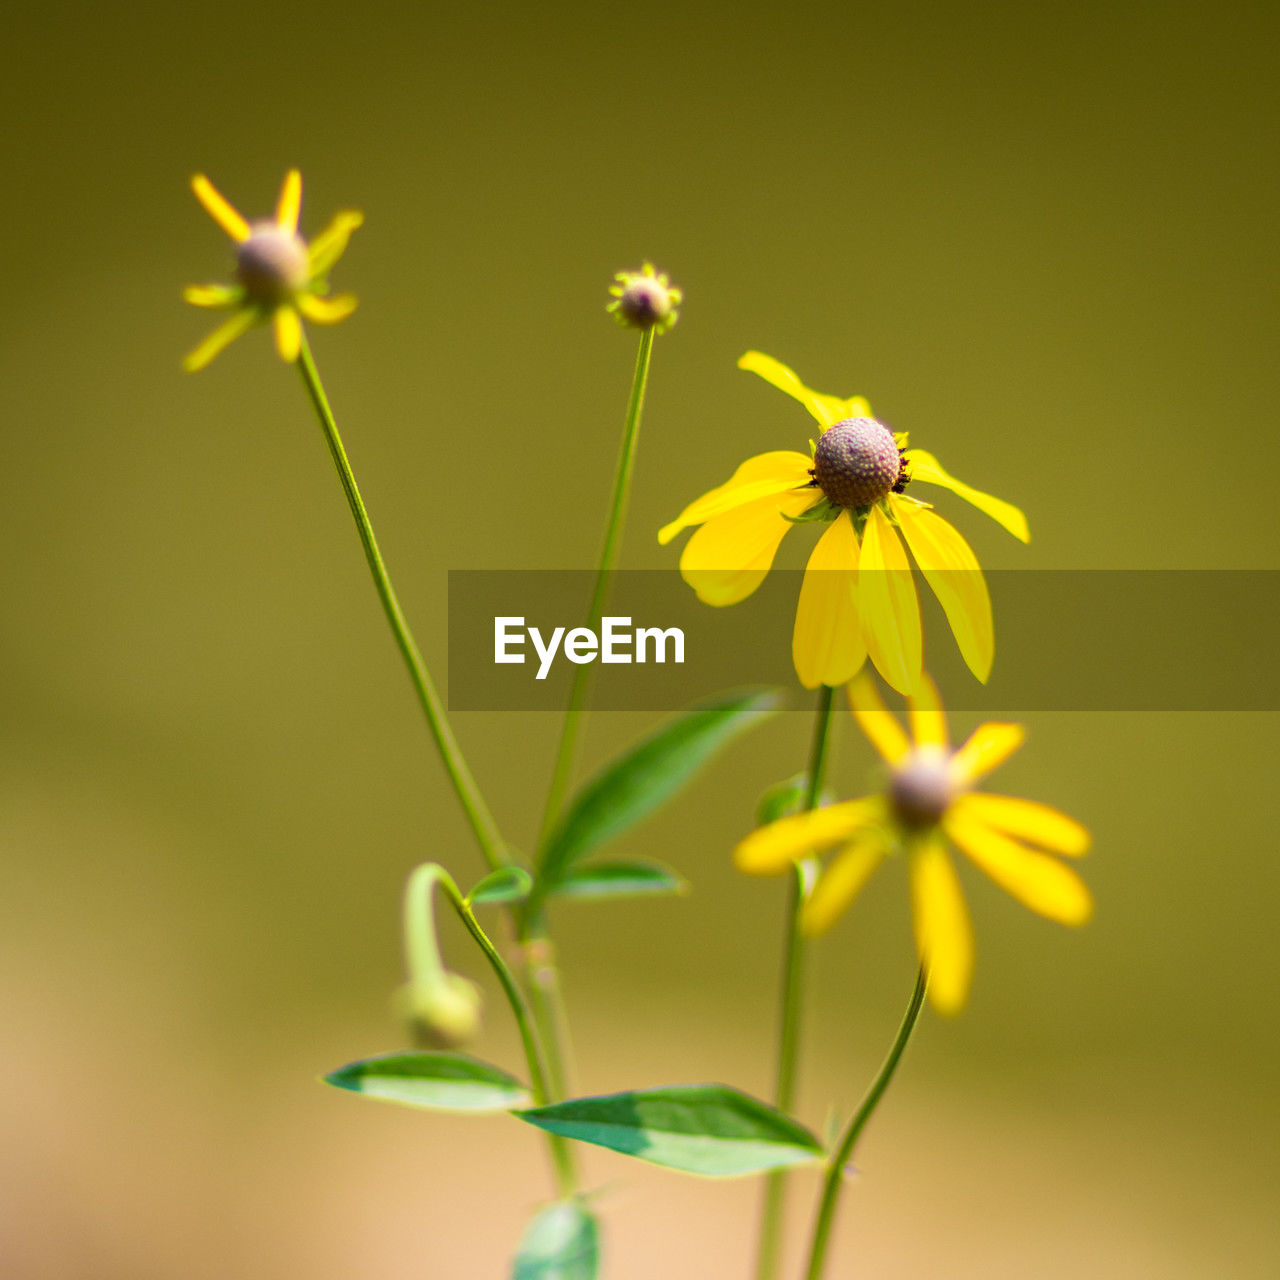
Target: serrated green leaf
561,1243
506,884
645,776
623,879
708,1129
434,1081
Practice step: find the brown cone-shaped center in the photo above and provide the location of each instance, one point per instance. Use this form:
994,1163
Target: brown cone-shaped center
272,265
856,462
922,788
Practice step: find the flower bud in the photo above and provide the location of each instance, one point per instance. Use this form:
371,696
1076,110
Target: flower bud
441,1015
644,299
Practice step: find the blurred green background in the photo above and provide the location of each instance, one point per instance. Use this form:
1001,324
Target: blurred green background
1039,236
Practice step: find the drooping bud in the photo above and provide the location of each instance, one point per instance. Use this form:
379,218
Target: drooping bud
856,462
443,1014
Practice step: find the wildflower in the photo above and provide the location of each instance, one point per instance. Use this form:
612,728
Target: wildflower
858,598
278,275
929,802
644,299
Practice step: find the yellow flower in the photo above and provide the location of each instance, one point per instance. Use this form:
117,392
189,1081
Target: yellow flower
928,803
858,597
278,274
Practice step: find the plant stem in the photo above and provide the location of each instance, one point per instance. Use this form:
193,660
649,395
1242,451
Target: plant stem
791,1006
420,941
836,1169
478,815
563,770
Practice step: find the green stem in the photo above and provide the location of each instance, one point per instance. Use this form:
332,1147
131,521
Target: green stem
792,1002
482,823
836,1169
424,957
563,770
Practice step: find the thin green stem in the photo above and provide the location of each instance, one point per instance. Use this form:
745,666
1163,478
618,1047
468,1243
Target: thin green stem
844,1152
478,815
563,770
420,941
791,1007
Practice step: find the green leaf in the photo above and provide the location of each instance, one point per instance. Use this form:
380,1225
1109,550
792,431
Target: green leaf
434,1081
648,774
622,879
787,797
506,884
561,1243
709,1129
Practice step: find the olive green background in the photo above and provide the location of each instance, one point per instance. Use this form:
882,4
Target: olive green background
1040,237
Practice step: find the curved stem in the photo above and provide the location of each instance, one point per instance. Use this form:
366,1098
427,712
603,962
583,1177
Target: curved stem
420,942
791,1006
608,562
836,1169
478,815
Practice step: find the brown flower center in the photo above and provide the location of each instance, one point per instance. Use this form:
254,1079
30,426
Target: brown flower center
272,265
856,462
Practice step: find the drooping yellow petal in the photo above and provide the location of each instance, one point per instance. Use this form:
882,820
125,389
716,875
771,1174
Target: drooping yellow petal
826,644
758,477
888,605
219,209
989,745
728,558
218,296
331,243
770,850
951,569
288,333
290,203
924,466
875,719
1038,880
221,337
827,409
944,936
1027,820
326,310
841,882
926,714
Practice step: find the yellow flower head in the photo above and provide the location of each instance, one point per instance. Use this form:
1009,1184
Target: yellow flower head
858,598
928,803
278,274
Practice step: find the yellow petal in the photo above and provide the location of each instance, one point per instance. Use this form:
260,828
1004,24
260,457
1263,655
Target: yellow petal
951,569
826,644
770,850
219,209
758,477
926,714
326,310
213,295
288,333
841,882
924,466
827,409
728,558
989,745
944,936
222,336
888,605
876,720
1038,880
290,202
331,243
1027,820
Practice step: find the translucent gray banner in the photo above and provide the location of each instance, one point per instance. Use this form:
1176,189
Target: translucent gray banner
1066,640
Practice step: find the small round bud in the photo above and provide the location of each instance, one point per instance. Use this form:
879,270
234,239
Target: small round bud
856,462
272,265
645,299
922,788
441,1015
